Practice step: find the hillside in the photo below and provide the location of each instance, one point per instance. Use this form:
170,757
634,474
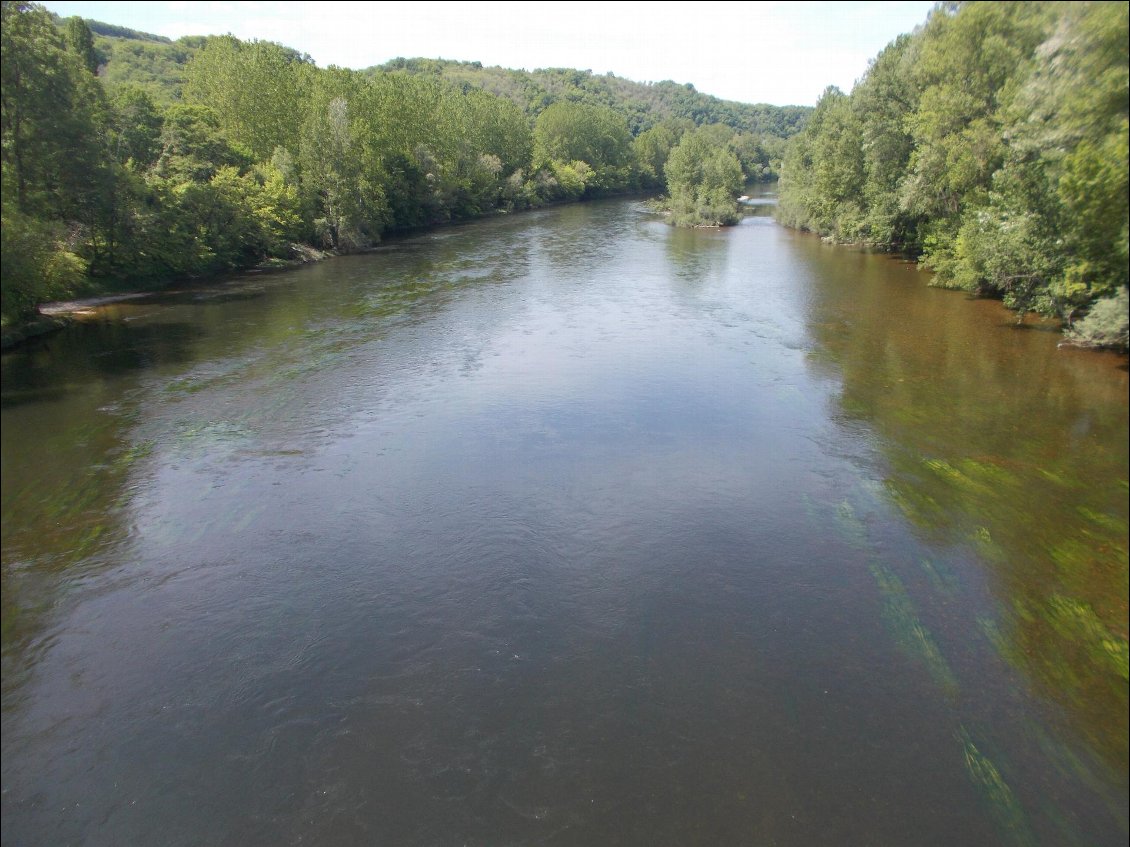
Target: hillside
644,104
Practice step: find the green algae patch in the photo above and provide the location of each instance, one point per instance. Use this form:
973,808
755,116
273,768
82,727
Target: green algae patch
992,632
918,507
1108,522
941,578
1077,622
986,546
901,619
851,529
139,451
999,800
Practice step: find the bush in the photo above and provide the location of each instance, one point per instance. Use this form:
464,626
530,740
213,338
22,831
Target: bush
37,266
1106,325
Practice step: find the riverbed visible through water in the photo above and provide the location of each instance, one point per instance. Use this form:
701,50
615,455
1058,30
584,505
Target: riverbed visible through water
565,528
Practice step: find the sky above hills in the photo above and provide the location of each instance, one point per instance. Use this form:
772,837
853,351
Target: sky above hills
784,53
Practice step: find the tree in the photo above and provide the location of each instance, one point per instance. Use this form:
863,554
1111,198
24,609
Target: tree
995,141
52,116
349,202
595,135
823,173
652,147
136,126
257,89
80,41
52,132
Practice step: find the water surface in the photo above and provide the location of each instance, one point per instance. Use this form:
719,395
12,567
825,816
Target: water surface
565,528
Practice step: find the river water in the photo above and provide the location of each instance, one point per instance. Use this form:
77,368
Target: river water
565,528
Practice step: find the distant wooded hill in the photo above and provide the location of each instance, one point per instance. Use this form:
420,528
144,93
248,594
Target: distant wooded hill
157,64
644,104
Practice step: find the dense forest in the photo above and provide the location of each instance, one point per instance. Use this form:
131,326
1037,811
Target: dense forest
992,142
130,159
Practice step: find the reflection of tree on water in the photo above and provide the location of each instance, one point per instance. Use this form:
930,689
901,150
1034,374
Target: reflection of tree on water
996,444
65,486
698,255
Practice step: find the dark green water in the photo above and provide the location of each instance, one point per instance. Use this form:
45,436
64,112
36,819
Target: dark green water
566,528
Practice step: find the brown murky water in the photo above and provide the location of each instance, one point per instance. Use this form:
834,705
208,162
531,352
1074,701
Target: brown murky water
566,528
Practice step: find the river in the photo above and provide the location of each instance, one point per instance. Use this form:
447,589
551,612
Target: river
565,528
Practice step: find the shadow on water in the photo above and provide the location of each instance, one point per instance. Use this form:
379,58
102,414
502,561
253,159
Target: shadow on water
698,255
996,448
93,350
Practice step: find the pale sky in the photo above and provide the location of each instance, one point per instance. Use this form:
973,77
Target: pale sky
784,53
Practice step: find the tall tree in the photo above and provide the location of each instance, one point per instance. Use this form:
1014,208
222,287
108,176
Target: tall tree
52,116
596,135
257,89
80,41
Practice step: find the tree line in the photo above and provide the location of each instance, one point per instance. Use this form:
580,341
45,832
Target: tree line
213,154
992,142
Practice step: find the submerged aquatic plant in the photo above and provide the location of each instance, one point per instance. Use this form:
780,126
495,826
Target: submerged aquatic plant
851,527
1001,803
902,620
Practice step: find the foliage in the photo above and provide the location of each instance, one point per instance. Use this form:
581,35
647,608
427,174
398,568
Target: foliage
652,147
993,141
643,105
594,135
130,157
256,89
38,265
703,180
1106,325
157,66
80,41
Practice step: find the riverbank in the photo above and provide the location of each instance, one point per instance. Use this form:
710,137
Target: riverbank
53,316
56,315
42,324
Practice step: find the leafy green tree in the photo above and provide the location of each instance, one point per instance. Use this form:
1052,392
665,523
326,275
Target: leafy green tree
351,205
193,148
38,264
823,174
136,125
753,155
257,89
52,116
157,66
595,135
54,171
1106,325
882,103
652,147
80,41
